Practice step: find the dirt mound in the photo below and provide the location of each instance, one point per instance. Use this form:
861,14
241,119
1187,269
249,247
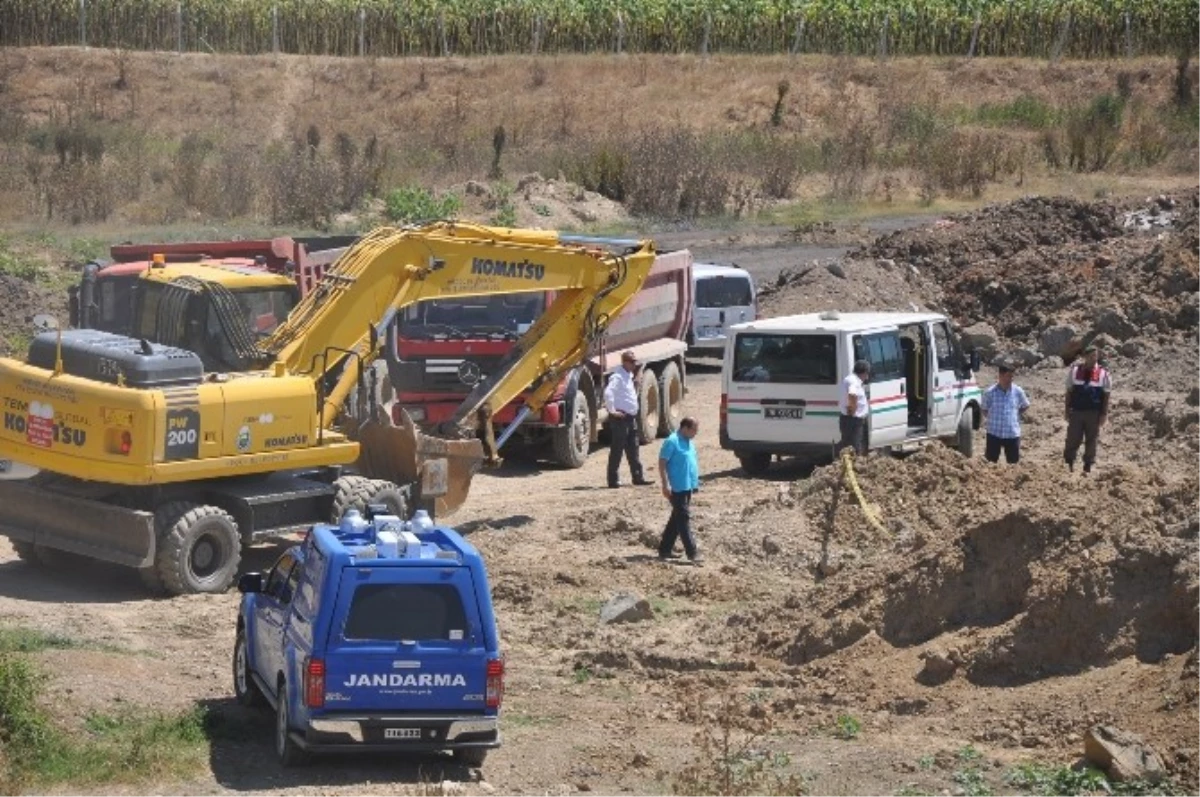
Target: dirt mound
538,202
1049,273
1020,573
849,286
20,300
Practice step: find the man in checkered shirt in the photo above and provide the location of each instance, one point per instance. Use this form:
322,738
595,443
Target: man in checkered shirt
1004,403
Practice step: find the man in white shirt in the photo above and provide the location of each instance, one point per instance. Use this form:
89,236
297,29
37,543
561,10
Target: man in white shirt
621,401
854,407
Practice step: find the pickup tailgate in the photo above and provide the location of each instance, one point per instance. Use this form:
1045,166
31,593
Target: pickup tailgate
403,642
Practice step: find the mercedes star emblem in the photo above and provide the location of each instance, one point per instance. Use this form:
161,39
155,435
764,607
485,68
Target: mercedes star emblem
468,372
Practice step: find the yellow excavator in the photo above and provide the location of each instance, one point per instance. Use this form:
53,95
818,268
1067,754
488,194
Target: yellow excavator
147,460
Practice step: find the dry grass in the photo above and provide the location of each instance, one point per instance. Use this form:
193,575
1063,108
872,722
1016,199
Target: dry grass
296,140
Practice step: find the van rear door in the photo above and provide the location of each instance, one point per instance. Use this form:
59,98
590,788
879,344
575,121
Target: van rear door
783,387
721,301
402,640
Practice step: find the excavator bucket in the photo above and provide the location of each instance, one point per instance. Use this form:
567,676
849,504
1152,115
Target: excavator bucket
442,469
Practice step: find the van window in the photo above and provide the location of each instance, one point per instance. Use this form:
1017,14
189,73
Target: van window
787,359
723,292
393,612
882,350
946,352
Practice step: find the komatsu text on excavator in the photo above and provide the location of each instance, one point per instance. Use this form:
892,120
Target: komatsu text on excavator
148,460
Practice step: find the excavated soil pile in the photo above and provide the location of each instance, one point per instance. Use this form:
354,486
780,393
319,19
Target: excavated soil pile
1020,573
1046,271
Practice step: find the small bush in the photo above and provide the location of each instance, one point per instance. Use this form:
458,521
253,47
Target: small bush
1042,779
1094,132
409,204
730,752
848,726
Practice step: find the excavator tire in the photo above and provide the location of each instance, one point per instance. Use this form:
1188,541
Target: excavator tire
670,391
355,492
648,407
199,548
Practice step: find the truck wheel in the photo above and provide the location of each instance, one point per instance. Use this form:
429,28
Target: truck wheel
648,407
244,688
965,439
670,391
470,756
755,464
573,442
290,754
355,492
199,548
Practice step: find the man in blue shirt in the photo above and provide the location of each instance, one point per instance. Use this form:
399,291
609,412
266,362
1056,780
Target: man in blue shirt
680,472
1004,403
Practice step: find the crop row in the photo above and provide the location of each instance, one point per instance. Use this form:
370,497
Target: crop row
1037,28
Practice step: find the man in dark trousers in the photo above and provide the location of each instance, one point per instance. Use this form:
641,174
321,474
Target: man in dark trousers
621,401
680,473
1088,388
853,409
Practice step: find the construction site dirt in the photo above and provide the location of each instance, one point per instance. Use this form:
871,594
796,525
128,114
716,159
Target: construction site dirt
999,615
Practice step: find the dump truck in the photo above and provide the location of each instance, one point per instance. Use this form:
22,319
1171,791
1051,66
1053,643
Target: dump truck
438,350
149,459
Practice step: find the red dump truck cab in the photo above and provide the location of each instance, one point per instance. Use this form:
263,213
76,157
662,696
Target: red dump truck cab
438,350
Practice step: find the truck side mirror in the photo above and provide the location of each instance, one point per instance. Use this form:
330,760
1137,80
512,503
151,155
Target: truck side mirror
250,582
975,360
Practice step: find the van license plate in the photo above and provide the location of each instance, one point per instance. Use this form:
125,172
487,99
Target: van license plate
783,413
402,733
711,332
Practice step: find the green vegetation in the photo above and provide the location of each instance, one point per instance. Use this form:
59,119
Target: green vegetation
1075,28
1034,778
124,747
848,726
1025,111
412,203
969,777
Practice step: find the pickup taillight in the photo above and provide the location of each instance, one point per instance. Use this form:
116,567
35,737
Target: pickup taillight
314,683
723,411
495,682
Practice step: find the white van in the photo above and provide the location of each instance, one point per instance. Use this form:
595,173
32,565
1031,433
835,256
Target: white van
781,376
722,296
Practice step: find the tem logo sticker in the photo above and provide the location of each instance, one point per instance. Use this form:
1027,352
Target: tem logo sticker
243,439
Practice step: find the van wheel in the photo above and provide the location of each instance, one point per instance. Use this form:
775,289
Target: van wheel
573,442
26,551
755,464
471,756
290,754
965,439
670,391
199,548
648,407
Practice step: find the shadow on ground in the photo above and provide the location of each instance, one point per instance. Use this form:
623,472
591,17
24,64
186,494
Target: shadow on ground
242,758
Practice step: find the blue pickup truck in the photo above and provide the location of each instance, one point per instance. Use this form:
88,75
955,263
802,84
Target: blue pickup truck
373,636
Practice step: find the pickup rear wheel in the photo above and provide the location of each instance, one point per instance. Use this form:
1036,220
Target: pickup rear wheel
355,492
199,548
648,407
244,688
670,391
471,756
290,754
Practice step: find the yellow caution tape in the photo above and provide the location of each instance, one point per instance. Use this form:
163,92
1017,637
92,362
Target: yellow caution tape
852,480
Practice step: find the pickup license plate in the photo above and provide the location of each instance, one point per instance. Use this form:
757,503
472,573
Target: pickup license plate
402,733
783,413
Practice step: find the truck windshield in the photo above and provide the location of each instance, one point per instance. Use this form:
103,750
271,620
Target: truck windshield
394,612
263,309
723,292
505,315
792,359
